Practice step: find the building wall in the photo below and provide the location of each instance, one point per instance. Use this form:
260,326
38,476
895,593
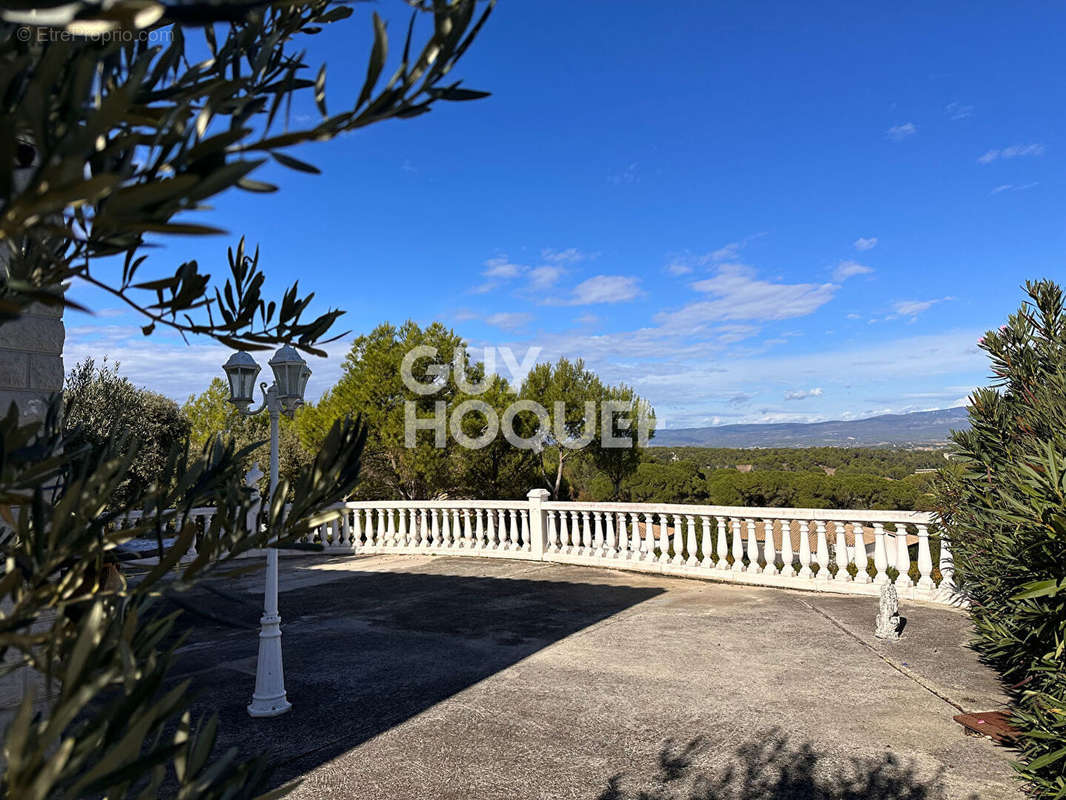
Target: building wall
31,347
31,359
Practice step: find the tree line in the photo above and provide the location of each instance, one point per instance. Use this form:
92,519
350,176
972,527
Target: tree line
371,384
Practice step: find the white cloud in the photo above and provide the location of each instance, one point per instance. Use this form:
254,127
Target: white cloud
739,295
910,308
727,252
849,269
570,255
1010,187
803,394
691,378
605,289
863,243
1014,151
165,364
958,111
678,268
897,133
509,320
854,316
545,277
500,267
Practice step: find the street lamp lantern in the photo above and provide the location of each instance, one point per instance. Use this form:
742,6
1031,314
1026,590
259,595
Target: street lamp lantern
290,376
241,371
284,396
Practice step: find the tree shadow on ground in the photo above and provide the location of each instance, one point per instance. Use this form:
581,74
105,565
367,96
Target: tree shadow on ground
770,767
365,651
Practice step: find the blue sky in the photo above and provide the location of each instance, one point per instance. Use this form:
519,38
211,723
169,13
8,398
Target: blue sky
748,211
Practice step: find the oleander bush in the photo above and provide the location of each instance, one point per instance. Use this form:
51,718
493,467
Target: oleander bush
1003,505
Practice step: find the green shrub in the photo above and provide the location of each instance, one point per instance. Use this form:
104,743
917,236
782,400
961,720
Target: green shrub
1003,504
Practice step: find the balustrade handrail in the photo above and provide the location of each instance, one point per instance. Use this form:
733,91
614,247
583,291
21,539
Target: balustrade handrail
407,504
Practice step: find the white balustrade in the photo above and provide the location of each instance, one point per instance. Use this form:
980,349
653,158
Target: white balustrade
742,545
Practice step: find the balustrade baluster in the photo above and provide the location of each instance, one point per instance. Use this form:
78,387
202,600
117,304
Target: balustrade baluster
823,551
842,553
597,536
371,529
434,529
858,553
479,528
501,529
664,538
925,560
457,529
805,550
400,536
738,546
611,544
445,528
947,567
490,529
468,533
768,552
357,529
586,534
753,549
706,545
346,529
527,539
679,541
512,531
564,532
788,555
382,529
634,536
721,548
903,557
649,538
690,542
880,554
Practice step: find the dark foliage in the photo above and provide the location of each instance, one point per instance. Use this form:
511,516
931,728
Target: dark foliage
1003,504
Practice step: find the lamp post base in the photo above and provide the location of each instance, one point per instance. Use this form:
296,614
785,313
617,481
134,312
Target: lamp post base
268,706
269,698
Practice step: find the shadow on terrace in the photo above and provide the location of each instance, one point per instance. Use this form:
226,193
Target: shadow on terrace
770,767
367,650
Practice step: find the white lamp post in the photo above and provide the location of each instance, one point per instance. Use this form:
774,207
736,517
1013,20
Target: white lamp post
285,395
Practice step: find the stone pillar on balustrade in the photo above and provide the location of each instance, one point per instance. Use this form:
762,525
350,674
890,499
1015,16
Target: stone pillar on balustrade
537,522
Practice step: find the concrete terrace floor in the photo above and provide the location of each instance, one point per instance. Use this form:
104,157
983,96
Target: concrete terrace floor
442,677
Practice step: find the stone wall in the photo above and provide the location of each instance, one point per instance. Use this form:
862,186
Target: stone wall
31,359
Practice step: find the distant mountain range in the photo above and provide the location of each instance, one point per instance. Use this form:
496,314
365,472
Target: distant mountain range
920,429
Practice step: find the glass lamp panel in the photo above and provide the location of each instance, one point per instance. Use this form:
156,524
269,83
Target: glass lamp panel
241,371
286,365
248,382
301,385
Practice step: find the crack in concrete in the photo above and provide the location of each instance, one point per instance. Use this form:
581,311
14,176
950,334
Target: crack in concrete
918,679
